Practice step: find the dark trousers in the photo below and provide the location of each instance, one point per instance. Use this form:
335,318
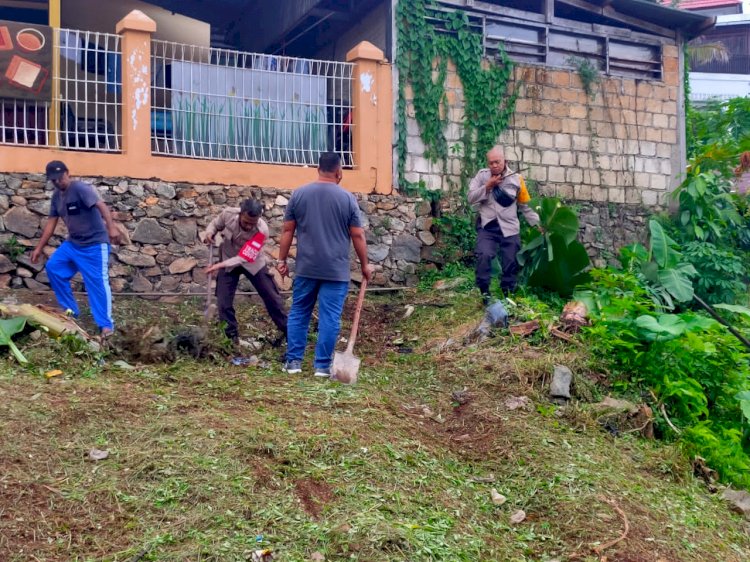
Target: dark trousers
226,287
492,243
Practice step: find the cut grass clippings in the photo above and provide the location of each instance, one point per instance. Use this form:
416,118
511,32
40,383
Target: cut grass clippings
208,461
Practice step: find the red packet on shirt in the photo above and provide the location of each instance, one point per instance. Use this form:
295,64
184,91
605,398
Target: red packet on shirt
252,248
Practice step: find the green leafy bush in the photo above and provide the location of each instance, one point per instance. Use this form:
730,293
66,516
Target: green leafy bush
689,362
661,268
721,272
554,259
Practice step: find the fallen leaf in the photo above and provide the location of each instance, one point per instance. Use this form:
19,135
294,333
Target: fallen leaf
497,497
517,402
518,517
53,373
98,454
123,365
409,311
489,479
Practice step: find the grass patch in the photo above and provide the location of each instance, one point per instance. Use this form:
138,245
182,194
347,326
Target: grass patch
208,461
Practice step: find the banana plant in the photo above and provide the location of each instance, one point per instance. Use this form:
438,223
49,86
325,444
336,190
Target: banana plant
666,275
555,259
8,328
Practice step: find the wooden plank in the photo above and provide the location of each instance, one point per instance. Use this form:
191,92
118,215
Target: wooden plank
479,6
549,10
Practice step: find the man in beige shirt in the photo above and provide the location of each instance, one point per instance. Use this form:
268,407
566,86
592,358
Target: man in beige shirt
238,225
498,193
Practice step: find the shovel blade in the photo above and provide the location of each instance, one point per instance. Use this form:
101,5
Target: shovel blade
345,367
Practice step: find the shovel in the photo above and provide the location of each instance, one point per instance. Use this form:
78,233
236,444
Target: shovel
346,365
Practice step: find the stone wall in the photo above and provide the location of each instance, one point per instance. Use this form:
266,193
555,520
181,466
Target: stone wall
607,227
619,146
161,221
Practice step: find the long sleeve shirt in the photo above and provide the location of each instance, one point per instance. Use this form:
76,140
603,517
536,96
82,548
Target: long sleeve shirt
489,209
234,238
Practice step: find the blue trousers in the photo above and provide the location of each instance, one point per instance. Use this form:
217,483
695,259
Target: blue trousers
93,263
330,296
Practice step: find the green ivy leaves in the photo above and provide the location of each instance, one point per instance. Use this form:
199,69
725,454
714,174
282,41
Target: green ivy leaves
422,62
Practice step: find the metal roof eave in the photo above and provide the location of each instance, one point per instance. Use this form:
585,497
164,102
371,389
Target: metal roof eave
690,24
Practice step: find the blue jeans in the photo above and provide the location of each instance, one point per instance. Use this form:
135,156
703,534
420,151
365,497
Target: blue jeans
330,296
93,263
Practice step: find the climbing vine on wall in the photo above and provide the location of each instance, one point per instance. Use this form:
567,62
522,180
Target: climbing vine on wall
422,61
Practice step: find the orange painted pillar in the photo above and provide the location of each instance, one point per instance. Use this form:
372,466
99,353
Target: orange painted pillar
136,29
372,109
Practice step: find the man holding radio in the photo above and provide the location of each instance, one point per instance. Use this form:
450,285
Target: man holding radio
497,193
241,253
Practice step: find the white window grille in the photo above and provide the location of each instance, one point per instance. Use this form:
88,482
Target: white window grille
249,107
85,112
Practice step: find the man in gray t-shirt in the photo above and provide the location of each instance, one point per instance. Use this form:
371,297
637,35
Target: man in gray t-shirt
326,219
90,230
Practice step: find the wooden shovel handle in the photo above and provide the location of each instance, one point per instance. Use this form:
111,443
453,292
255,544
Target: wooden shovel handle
357,311
209,294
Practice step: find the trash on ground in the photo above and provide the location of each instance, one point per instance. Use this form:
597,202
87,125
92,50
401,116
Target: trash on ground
495,316
53,373
517,403
265,555
98,454
518,517
245,361
497,497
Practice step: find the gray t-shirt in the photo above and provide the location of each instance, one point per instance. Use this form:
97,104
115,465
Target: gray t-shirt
324,212
77,208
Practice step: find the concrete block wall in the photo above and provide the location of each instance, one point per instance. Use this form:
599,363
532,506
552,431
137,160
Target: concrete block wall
620,145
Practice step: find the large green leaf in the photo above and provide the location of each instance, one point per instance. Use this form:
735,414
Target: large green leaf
744,400
632,255
735,308
662,246
697,323
556,218
566,270
8,328
677,284
663,327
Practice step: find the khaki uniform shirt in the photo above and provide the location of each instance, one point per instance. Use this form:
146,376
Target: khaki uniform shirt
489,209
234,238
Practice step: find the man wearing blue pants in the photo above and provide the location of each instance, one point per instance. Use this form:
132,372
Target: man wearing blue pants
327,222
90,229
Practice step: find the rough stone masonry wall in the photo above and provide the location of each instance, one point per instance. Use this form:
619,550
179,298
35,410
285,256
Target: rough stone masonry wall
162,222
619,147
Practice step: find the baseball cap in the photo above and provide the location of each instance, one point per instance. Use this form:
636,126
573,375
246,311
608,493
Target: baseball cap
55,170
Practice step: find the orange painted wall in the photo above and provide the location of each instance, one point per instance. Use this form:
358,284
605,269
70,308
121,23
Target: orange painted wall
372,132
